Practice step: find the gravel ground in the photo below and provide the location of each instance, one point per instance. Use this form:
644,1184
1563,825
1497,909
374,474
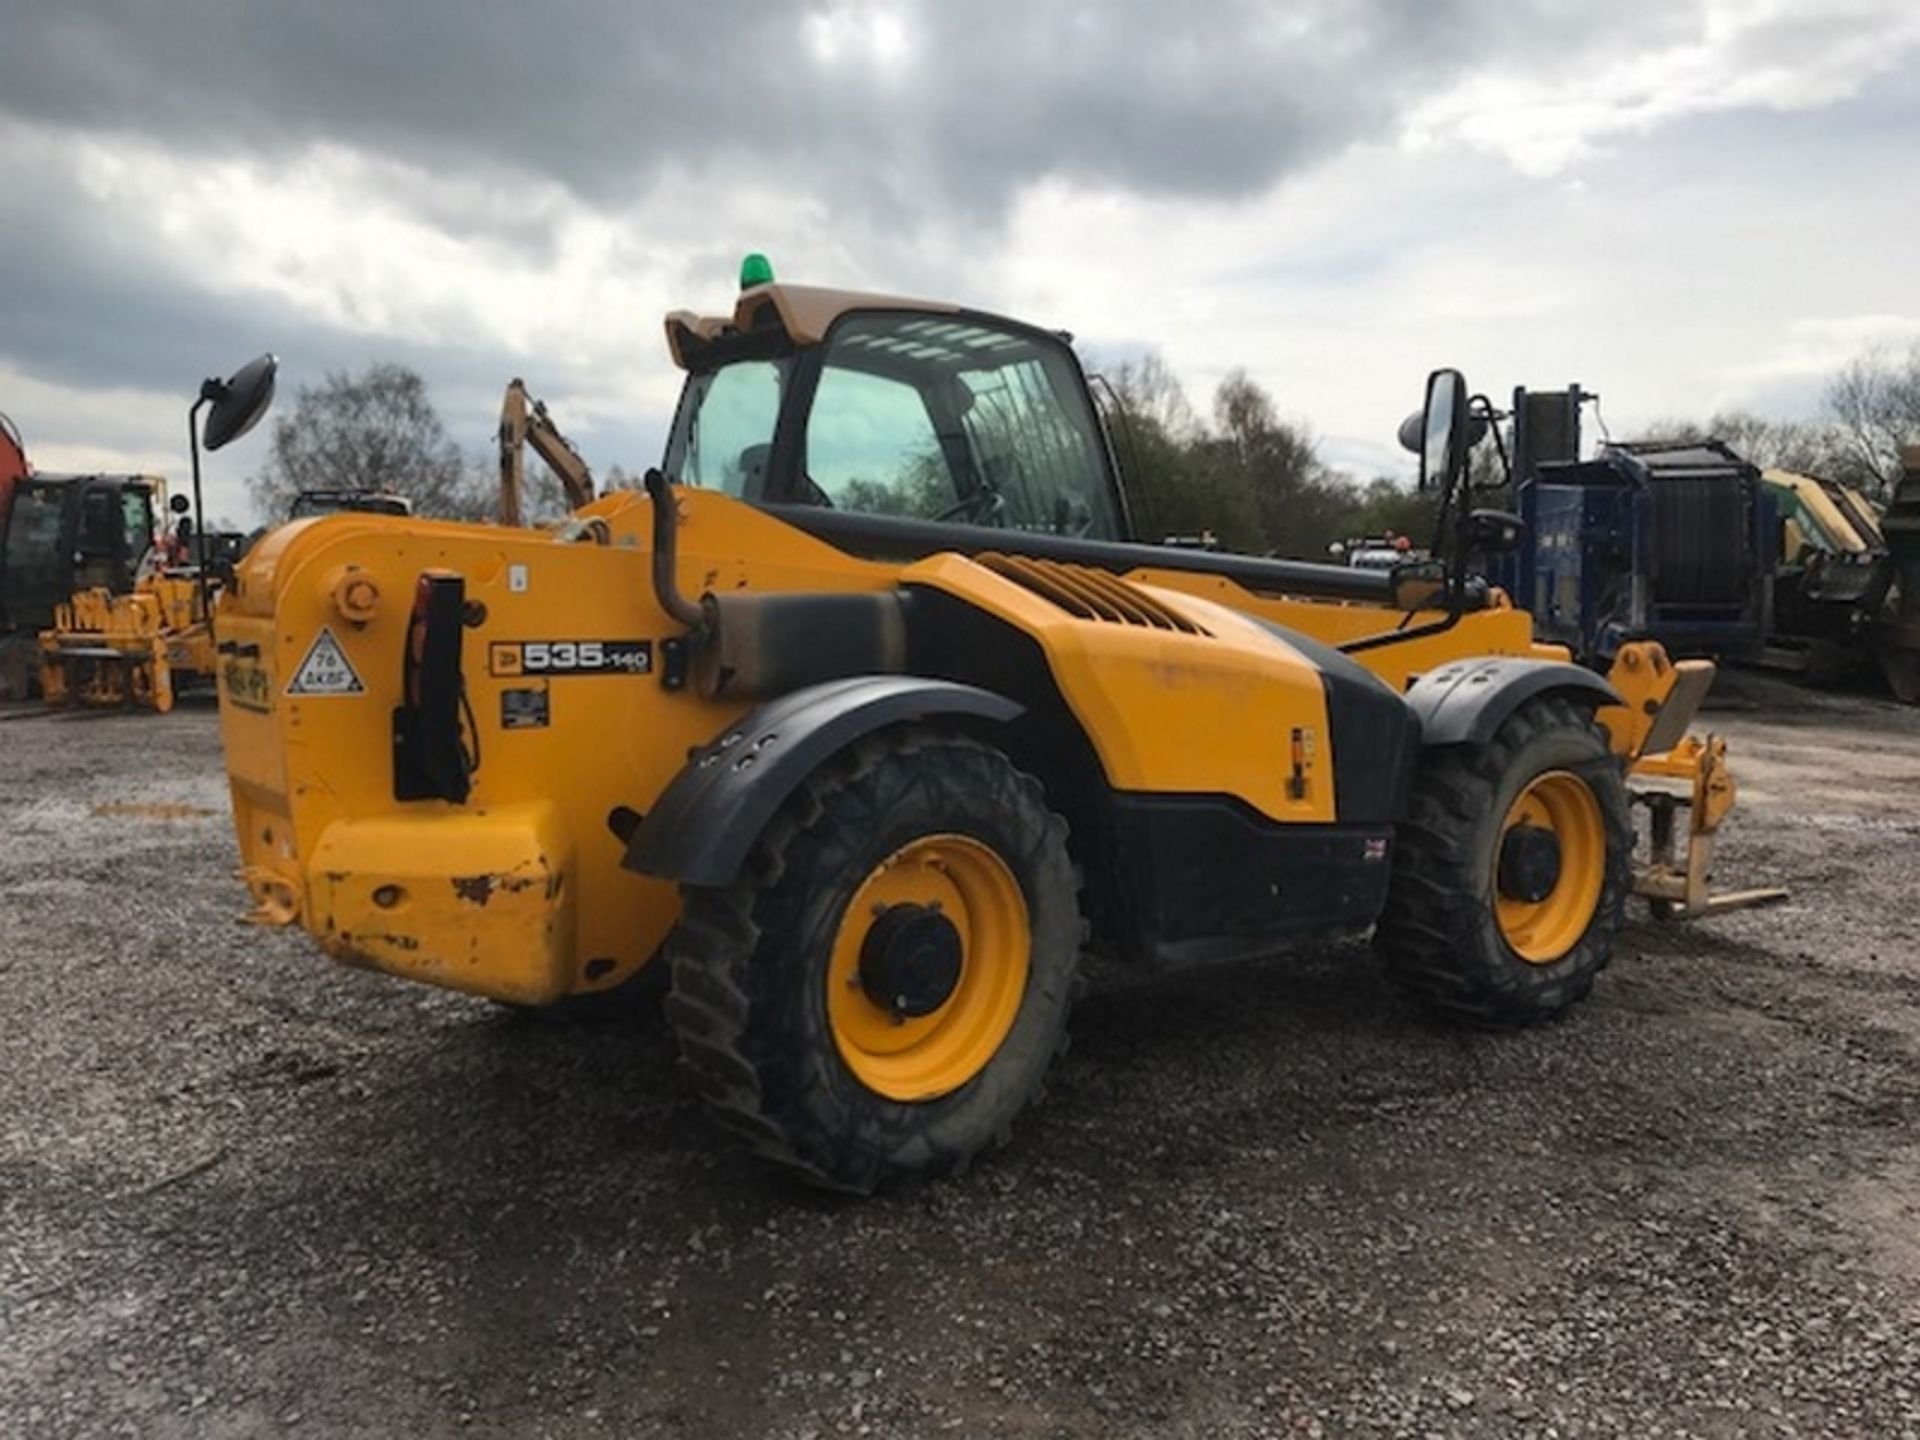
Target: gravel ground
243,1191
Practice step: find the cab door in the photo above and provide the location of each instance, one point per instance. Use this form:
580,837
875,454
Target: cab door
113,532
36,571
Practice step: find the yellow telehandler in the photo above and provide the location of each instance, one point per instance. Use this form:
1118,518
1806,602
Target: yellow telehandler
870,713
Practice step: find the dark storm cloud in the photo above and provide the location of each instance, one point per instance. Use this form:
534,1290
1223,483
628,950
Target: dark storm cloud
604,98
90,301
496,125
1216,99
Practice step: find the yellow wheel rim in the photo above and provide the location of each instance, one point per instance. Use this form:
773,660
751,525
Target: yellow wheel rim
921,1057
1544,930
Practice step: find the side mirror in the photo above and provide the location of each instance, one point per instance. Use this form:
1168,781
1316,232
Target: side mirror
1494,532
1443,430
1417,585
238,401
179,504
1413,429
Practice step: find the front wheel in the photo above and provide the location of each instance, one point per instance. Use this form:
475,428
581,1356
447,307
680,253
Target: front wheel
1511,872
882,989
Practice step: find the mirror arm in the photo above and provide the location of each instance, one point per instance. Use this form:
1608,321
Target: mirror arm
199,509
1492,418
1456,607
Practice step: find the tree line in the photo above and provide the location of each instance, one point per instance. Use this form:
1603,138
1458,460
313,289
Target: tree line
1870,410
1243,476
1247,477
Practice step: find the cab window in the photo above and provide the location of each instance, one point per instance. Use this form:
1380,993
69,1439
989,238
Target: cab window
723,436
872,446
136,521
945,418
100,534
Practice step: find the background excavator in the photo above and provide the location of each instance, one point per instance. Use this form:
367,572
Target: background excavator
13,465
14,469
524,421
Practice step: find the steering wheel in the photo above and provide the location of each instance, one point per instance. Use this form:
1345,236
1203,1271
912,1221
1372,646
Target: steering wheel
1072,517
983,507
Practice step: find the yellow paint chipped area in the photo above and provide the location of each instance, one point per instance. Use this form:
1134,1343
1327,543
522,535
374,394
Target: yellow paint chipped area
476,900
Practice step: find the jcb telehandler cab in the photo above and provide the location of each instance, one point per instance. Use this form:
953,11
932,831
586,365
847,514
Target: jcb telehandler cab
868,714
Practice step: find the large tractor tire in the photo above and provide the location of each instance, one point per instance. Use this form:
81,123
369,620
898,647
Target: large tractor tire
884,986
1511,872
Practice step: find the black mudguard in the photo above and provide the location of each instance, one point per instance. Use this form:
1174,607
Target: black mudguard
708,817
1465,702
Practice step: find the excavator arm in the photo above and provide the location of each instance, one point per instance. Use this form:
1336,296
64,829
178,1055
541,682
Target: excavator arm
523,422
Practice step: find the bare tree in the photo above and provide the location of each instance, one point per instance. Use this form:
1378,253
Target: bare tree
1809,446
1152,394
1171,489
376,430
1875,402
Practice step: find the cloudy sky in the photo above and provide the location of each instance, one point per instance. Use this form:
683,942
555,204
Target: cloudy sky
1684,206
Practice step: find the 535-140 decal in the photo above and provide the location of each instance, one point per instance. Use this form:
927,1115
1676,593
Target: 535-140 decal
570,657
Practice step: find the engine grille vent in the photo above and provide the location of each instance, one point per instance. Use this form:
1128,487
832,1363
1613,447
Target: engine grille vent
1087,593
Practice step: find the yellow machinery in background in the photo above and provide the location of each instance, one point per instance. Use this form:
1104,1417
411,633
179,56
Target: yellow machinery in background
137,649
1833,578
141,647
1896,639
872,711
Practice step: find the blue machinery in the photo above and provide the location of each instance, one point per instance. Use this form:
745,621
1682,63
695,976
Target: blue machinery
1668,542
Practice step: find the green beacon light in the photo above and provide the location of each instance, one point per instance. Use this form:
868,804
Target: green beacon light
755,269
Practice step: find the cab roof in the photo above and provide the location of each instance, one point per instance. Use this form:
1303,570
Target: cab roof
803,312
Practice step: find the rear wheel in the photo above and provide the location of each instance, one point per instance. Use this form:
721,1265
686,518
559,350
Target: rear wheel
1511,872
883,988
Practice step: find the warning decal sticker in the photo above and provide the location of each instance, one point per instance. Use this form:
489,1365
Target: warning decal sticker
326,670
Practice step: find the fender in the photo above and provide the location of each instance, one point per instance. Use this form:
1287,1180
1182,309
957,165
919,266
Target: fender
711,812
1465,702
